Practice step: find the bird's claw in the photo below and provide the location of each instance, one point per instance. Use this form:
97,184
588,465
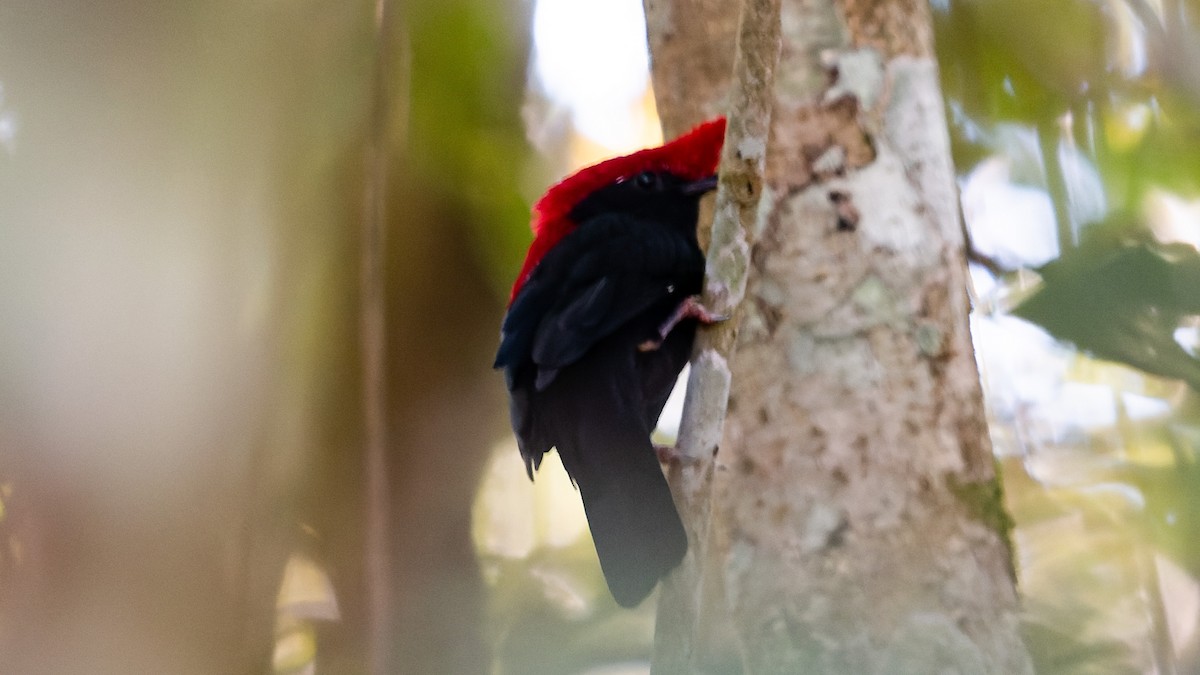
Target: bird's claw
690,308
649,345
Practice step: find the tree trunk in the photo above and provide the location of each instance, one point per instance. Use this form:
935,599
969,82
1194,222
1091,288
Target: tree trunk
854,516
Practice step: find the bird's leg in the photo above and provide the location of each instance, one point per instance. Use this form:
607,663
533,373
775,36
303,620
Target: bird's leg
690,308
671,455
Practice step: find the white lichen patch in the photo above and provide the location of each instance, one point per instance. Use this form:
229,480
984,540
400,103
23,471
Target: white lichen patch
801,352
711,359
915,128
766,204
704,407
859,74
929,339
726,211
847,360
890,212
753,149
716,288
820,528
873,297
730,266
831,161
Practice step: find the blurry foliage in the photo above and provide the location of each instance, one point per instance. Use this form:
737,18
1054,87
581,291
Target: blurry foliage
1123,300
551,614
1019,60
461,134
1110,85
550,610
181,203
1172,516
456,214
1030,62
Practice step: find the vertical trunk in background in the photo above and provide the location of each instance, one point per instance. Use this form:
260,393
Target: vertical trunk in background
168,323
179,370
854,523
468,64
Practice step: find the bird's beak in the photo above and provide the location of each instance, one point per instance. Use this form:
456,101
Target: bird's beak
699,187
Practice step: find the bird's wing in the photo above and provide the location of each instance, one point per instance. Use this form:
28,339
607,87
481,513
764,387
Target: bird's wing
597,278
577,323
622,268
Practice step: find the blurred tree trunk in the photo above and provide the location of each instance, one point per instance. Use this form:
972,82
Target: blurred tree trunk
166,214
852,515
180,396
458,69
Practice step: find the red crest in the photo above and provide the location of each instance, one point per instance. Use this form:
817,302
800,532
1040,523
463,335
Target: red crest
692,156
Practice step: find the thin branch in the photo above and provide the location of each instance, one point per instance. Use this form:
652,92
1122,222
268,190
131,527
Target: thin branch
743,160
1162,649
974,255
1150,21
374,349
1049,139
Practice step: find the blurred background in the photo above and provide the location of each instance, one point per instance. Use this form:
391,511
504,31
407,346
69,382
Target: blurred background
183,188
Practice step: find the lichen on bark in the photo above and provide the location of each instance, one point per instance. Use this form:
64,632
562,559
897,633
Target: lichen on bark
984,500
828,534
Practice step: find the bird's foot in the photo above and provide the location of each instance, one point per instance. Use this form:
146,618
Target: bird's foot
671,455
690,308
649,345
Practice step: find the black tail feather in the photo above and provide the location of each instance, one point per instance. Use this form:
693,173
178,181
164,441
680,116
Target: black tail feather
637,531
599,414
639,537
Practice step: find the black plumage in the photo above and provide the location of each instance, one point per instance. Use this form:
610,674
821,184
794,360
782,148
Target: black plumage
589,371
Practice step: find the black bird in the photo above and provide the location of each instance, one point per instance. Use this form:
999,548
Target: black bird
600,323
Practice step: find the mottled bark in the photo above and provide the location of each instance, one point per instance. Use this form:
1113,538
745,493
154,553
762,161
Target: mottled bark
856,525
691,58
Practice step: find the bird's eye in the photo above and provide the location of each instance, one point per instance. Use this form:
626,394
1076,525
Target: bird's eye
646,180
